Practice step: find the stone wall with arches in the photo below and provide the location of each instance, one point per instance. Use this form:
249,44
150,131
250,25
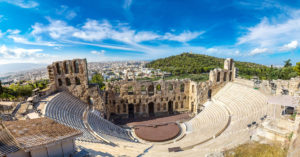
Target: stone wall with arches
72,76
134,98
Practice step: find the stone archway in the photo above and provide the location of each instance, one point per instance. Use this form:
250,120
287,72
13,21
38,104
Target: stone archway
151,109
130,111
170,107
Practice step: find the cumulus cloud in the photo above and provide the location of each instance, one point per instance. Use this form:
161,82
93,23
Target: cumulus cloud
22,3
258,51
56,29
272,34
93,30
16,53
290,46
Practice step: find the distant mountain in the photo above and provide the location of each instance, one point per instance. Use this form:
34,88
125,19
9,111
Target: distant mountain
17,67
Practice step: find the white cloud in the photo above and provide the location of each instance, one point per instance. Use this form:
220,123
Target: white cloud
258,51
290,46
18,39
100,53
272,34
17,53
66,12
94,30
13,31
183,37
22,3
56,29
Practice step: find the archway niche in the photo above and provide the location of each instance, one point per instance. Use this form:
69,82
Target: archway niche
151,109
192,107
151,90
182,87
218,77
209,94
68,82
158,88
170,107
130,111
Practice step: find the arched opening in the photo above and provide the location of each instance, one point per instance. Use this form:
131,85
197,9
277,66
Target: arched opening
158,107
118,109
158,88
76,66
124,108
209,94
170,87
58,68
130,90
151,109
151,90
225,75
192,107
138,106
59,82
170,107
165,106
143,89
182,88
176,105
130,111
144,108
193,88
68,82
77,80
66,66
218,77
230,75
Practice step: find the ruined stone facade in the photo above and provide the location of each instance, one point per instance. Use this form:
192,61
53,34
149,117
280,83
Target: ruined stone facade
72,76
292,86
131,99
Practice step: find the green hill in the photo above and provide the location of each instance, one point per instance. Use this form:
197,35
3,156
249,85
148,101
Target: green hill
187,64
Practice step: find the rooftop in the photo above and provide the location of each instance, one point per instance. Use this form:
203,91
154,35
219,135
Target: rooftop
37,132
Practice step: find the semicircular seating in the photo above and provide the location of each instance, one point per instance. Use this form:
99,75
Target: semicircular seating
67,109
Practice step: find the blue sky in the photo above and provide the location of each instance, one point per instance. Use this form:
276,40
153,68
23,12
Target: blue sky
33,31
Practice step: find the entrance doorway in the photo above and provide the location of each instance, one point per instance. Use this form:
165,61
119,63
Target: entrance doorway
151,109
209,94
170,107
130,111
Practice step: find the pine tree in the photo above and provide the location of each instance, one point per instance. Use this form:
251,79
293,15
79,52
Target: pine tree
297,68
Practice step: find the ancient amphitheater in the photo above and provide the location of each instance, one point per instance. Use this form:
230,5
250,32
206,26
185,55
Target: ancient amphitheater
225,111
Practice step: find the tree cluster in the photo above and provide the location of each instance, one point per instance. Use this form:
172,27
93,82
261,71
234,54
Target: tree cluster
21,89
98,79
188,63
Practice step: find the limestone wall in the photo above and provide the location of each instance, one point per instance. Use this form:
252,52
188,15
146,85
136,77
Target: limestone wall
292,85
72,76
138,98
146,98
